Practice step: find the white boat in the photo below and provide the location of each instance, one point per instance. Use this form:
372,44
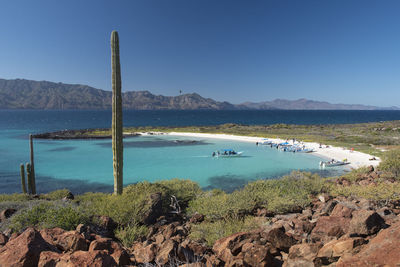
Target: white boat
226,153
333,163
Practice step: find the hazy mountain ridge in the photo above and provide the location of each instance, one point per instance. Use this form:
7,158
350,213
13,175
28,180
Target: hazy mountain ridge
28,94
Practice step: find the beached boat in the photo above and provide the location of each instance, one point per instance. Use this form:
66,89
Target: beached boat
333,163
264,141
226,153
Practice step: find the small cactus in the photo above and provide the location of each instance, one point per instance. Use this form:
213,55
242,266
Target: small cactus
29,175
116,128
23,184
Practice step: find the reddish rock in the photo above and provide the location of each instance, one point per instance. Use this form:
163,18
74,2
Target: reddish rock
119,254
330,226
331,251
256,255
167,250
52,235
302,255
213,261
340,210
279,239
383,250
72,241
7,213
24,250
51,259
97,258
155,210
100,244
365,222
144,254
3,239
222,247
194,264
197,218
108,224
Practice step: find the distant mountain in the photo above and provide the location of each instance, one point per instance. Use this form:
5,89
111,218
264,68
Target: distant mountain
27,94
305,104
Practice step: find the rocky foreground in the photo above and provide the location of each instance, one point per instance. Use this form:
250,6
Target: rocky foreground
332,231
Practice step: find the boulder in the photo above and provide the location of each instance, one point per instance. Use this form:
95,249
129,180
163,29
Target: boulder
341,210
196,218
167,250
256,255
119,254
335,249
3,239
365,222
7,213
383,250
144,254
223,247
52,235
25,249
302,255
279,239
72,241
100,244
330,226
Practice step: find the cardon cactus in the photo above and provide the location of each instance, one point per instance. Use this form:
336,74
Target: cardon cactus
32,165
29,175
116,128
23,184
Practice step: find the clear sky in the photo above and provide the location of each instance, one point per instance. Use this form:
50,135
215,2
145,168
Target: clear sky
341,51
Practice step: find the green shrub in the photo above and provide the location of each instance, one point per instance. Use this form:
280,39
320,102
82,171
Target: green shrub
56,195
382,191
14,197
48,215
391,162
209,232
129,234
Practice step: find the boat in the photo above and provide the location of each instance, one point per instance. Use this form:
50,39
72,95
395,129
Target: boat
264,141
333,163
226,153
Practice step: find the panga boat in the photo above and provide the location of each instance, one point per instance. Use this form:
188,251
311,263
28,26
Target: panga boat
333,163
227,153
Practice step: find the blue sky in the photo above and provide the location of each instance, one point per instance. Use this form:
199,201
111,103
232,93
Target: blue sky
341,51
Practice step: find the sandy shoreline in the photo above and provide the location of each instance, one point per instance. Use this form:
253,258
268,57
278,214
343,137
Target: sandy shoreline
356,159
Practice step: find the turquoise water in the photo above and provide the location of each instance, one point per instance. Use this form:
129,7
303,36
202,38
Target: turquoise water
84,165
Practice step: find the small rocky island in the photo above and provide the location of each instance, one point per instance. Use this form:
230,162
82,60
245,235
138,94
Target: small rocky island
80,134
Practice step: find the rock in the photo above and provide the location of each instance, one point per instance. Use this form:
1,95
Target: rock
383,250
119,254
72,241
3,239
69,196
302,255
329,226
213,261
279,239
256,255
52,235
194,264
331,251
25,249
365,222
324,198
7,213
167,250
197,218
155,210
108,224
223,247
100,244
80,258
370,169
341,210
144,254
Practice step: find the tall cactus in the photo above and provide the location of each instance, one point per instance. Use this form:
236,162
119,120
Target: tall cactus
29,175
32,165
23,184
116,128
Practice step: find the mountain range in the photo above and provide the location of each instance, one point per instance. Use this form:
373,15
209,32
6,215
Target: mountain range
28,94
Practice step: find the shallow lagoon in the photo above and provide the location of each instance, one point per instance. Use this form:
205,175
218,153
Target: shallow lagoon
86,165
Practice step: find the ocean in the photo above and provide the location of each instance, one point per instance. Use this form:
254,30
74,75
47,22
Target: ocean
86,165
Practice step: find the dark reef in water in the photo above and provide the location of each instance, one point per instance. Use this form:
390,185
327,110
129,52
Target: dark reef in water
77,134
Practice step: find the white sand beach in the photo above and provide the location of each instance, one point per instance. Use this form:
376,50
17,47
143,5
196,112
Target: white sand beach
356,159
